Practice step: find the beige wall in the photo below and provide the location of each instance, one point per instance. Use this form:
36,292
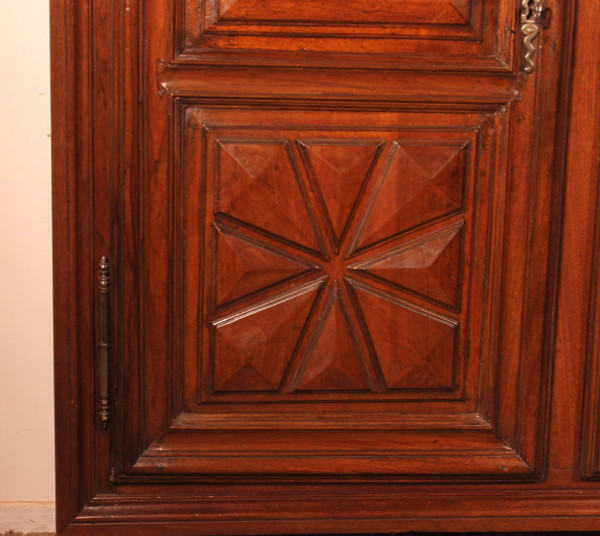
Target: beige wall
26,405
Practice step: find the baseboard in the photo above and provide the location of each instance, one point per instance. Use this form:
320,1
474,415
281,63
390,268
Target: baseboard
27,517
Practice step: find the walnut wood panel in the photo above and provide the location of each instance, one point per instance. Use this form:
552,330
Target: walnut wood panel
209,432
263,187
334,344
464,34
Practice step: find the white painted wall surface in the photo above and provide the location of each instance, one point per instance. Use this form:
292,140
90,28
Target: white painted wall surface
26,403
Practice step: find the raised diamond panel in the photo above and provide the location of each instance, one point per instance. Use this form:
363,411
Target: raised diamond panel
339,171
253,348
415,348
418,184
334,357
245,266
258,184
428,265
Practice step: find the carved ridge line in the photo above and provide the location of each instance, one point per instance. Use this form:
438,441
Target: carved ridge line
334,420
333,296
379,184
311,267
266,304
298,180
195,91
248,229
407,246
354,284
302,145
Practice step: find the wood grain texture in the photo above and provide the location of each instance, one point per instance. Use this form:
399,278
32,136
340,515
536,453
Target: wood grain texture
585,197
258,356
335,283
430,34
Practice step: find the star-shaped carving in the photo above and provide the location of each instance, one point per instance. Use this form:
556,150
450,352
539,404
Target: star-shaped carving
349,258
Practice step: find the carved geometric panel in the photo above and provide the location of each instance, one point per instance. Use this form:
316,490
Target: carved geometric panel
289,210
294,350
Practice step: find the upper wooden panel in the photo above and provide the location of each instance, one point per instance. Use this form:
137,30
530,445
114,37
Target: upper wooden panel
347,11
465,34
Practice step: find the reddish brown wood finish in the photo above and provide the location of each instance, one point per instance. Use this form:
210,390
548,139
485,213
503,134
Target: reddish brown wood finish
349,33
334,236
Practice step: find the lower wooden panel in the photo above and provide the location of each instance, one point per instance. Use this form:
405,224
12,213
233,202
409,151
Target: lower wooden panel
311,273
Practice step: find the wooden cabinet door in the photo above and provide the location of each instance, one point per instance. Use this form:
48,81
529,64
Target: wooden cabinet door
328,233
